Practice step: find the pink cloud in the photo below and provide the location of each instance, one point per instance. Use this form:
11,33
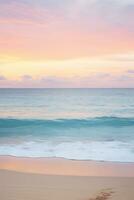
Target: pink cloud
35,31
99,80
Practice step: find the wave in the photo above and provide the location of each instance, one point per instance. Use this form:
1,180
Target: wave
98,138
63,123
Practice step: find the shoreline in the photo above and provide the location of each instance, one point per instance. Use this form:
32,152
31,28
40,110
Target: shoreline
65,167
68,159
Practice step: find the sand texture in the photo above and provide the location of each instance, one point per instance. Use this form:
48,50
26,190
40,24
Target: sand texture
28,186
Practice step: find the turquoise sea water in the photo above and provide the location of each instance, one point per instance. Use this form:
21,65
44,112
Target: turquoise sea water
83,124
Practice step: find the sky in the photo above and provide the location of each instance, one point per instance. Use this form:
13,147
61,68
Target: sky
67,43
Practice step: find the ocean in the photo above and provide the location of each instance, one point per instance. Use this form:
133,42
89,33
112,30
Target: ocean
80,124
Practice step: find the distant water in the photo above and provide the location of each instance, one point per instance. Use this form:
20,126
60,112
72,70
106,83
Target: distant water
83,124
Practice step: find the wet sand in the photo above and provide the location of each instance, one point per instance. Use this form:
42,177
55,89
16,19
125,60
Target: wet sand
58,166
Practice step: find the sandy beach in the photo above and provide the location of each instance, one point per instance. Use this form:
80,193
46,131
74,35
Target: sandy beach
58,179
26,186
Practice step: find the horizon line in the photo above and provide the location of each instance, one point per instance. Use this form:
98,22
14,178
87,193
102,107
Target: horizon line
66,88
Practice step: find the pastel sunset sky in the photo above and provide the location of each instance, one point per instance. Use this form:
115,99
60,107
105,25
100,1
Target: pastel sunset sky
67,43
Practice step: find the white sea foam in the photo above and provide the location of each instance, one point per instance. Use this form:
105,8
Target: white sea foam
106,151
